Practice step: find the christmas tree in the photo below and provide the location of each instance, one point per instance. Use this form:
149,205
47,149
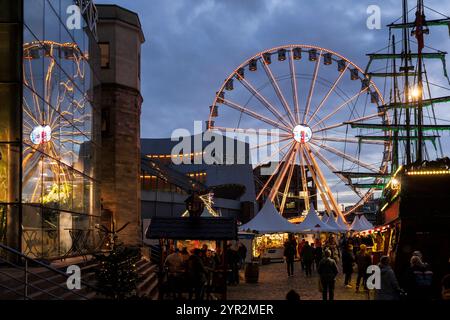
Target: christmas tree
116,274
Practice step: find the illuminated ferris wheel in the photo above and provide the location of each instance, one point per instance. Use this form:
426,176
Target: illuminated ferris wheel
307,98
53,108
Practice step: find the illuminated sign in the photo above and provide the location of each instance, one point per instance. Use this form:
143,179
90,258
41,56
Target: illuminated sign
302,134
41,135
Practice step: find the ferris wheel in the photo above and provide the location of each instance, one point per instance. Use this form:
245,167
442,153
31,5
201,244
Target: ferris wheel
56,119
306,98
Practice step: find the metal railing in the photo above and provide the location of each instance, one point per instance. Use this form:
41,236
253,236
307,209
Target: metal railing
24,284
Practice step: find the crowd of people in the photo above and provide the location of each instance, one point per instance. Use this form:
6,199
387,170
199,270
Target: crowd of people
354,257
190,270
193,271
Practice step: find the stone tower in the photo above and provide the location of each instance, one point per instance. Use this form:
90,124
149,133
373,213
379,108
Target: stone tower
120,38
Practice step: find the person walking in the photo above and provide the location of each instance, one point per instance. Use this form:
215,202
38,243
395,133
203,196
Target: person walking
242,251
289,255
299,250
318,253
307,256
363,260
348,259
389,287
196,275
327,271
419,279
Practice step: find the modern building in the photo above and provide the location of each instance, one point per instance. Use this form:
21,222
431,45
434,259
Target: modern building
166,185
58,117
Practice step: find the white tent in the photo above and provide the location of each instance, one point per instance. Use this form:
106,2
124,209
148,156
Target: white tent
358,225
269,220
312,223
340,221
365,222
330,221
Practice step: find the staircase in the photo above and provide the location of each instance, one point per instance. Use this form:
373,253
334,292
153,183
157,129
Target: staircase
148,285
30,279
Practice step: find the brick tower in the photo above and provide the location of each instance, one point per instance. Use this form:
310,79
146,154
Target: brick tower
120,37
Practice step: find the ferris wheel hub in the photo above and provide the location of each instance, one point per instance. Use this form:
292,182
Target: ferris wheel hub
302,133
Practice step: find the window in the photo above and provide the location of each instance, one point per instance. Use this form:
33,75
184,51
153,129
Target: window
104,55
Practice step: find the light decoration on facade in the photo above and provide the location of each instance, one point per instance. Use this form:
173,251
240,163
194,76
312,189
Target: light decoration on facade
428,172
43,123
207,200
41,134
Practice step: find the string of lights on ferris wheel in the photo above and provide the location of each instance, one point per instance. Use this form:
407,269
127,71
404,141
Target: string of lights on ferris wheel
299,124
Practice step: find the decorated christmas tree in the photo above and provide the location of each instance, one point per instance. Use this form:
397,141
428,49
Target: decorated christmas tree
116,274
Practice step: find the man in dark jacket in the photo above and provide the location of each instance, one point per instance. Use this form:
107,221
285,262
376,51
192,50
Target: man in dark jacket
307,256
196,274
348,259
318,253
327,271
419,279
389,288
289,254
363,260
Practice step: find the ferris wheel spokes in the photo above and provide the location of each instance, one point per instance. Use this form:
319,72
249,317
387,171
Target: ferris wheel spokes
336,110
312,86
261,99
317,183
294,85
340,124
288,181
283,159
332,168
331,90
277,89
255,115
347,157
323,180
285,167
272,155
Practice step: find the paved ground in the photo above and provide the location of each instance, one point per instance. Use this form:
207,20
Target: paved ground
274,284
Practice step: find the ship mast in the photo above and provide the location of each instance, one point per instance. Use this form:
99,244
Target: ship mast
419,32
406,68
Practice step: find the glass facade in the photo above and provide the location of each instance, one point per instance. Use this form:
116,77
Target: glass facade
60,133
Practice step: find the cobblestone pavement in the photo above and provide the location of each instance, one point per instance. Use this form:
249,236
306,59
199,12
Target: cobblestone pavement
274,283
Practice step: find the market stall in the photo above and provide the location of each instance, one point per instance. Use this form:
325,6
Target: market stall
194,232
271,232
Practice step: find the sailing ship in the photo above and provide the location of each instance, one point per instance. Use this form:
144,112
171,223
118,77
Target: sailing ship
415,204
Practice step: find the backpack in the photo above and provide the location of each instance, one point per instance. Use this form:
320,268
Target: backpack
423,279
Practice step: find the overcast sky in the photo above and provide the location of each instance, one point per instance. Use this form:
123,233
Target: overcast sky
193,45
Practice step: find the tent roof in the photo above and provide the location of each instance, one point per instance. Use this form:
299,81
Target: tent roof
358,225
269,220
340,221
330,221
313,223
365,222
